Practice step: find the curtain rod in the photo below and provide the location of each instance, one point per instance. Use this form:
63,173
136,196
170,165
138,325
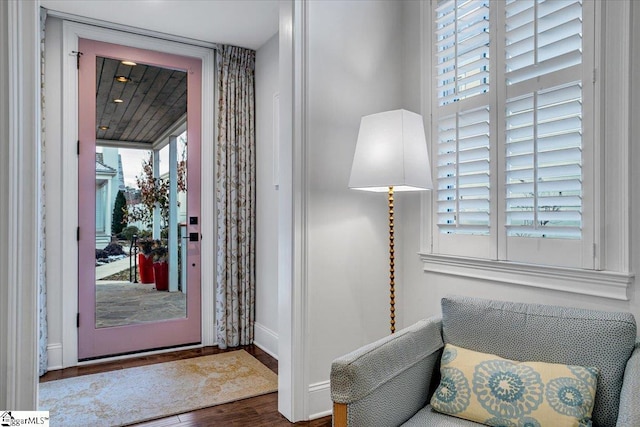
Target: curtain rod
129,29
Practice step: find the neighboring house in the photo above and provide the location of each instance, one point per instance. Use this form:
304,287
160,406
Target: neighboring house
105,198
109,180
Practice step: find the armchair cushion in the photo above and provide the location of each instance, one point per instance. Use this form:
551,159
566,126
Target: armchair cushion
550,334
428,417
495,391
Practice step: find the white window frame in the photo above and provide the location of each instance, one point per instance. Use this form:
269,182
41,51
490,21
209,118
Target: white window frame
608,273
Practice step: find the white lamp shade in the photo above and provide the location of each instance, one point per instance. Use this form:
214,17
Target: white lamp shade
391,151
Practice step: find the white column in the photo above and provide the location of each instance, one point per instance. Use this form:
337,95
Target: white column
173,214
99,208
108,209
20,208
293,387
157,218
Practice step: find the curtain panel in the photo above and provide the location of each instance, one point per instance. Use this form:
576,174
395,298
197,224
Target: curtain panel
235,197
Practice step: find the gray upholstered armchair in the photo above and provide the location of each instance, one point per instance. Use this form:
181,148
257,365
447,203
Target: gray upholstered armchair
390,382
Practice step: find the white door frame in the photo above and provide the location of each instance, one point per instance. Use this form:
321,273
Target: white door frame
72,31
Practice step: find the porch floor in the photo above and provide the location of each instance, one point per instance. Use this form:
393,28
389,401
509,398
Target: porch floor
123,303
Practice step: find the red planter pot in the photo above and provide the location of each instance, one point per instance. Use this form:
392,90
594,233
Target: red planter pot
161,272
145,268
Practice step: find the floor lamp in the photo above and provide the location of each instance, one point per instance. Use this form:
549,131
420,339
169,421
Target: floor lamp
391,155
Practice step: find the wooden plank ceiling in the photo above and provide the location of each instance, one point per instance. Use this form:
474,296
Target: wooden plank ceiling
153,99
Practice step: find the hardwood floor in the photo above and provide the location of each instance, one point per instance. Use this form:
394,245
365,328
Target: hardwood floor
261,411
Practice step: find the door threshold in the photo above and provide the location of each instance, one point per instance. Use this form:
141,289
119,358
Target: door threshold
131,355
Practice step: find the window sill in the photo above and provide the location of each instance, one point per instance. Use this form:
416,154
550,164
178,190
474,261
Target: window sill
606,284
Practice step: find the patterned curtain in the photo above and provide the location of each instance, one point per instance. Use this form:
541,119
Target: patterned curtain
42,294
235,197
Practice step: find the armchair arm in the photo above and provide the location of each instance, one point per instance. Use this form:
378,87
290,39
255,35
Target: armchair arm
629,410
386,382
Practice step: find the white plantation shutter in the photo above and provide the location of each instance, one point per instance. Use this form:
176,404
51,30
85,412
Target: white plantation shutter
543,119
463,172
542,36
462,49
462,121
511,85
544,163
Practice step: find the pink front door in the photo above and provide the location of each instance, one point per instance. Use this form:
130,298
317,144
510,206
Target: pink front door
95,340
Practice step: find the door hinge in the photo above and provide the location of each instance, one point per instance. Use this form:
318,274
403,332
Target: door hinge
78,234
77,320
78,148
595,253
594,75
78,55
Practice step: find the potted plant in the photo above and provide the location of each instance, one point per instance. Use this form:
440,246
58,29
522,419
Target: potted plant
160,266
153,193
145,260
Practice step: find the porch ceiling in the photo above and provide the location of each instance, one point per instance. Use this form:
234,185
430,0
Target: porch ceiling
153,100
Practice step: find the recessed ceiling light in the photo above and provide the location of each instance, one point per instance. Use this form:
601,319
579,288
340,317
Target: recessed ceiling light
122,79
118,101
103,127
129,63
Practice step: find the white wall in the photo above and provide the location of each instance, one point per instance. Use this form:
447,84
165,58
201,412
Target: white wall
355,63
266,327
423,291
365,57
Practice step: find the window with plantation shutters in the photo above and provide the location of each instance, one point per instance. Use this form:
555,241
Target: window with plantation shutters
510,115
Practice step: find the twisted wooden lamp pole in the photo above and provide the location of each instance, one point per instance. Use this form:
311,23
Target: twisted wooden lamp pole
392,285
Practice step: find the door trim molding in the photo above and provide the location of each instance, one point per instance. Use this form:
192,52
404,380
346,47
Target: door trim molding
72,31
136,31
293,333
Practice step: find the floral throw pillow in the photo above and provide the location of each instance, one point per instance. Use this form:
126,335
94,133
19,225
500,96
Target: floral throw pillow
498,392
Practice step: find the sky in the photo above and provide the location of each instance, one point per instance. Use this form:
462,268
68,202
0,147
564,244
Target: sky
132,162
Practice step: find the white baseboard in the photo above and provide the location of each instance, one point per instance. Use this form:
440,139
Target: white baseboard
320,400
266,339
54,357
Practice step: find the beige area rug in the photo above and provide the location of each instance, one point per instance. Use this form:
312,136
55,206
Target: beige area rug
142,393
